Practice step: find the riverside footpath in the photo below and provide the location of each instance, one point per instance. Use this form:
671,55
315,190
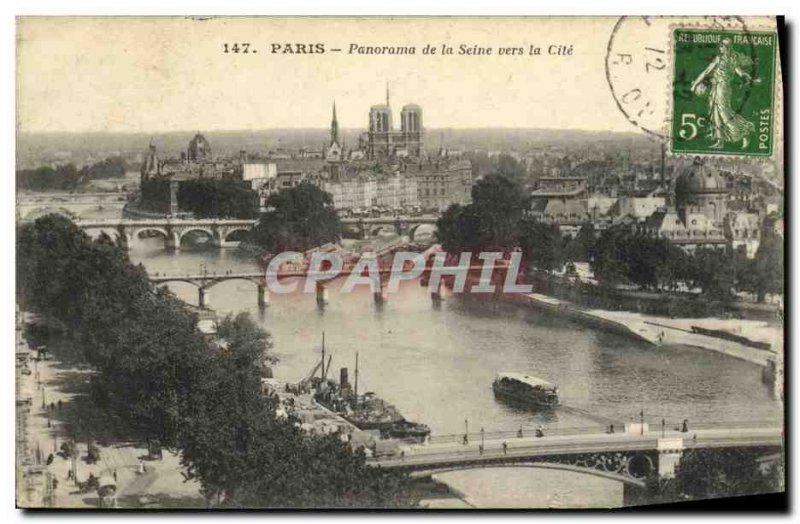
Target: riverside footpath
53,407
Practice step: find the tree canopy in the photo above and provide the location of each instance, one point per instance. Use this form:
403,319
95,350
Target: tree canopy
217,198
167,381
297,219
715,473
67,177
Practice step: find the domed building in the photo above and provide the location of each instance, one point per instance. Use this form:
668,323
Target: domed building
199,149
701,190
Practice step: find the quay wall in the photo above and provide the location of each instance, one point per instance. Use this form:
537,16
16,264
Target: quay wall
658,332
573,312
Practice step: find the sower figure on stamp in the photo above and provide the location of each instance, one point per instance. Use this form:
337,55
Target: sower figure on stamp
727,124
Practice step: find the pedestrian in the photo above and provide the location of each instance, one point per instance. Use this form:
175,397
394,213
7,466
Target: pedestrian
59,404
480,449
540,431
115,475
685,428
465,441
519,433
403,455
505,448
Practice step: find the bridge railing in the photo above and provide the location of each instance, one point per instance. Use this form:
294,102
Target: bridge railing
653,427
525,432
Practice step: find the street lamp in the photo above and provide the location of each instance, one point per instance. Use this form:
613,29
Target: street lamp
641,420
466,430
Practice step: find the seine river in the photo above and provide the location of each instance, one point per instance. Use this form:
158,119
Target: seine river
436,364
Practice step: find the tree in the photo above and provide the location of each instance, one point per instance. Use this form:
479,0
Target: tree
297,219
491,221
111,167
714,473
610,263
158,373
245,456
767,268
217,198
713,271
674,269
62,178
510,168
499,204
458,229
541,245
580,248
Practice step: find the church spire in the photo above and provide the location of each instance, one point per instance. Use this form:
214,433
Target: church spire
334,126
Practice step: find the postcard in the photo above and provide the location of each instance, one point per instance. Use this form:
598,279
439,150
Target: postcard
399,262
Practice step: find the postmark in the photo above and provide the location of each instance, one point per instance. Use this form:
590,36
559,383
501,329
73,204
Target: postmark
639,66
723,92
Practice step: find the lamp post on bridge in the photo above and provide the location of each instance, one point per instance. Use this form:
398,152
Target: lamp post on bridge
641,421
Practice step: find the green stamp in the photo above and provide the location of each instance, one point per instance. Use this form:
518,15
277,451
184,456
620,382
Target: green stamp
723,92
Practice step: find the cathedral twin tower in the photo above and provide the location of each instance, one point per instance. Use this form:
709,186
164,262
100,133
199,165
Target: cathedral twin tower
381,141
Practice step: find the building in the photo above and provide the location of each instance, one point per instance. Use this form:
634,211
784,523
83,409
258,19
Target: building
365,191
442,182
197,161
700,189
689,231
334,153
561,187
355,193
199,149
383,142
743,231
638,208
700,217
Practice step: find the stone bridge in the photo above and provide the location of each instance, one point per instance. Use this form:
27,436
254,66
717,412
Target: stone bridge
220,232
629,455
364,228
31,206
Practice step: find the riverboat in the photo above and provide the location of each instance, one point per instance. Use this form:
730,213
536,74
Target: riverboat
526,389
367,411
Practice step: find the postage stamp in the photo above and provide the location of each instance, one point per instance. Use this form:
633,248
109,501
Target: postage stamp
723,92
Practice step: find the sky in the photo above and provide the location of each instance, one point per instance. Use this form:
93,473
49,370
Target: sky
171,74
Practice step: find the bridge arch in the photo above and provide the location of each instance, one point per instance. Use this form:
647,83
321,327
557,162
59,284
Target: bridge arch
383,228
212,236
137,233
584,470
423,230
237,234
231,278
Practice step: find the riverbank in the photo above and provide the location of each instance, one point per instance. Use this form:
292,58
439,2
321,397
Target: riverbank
662,331
53,407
